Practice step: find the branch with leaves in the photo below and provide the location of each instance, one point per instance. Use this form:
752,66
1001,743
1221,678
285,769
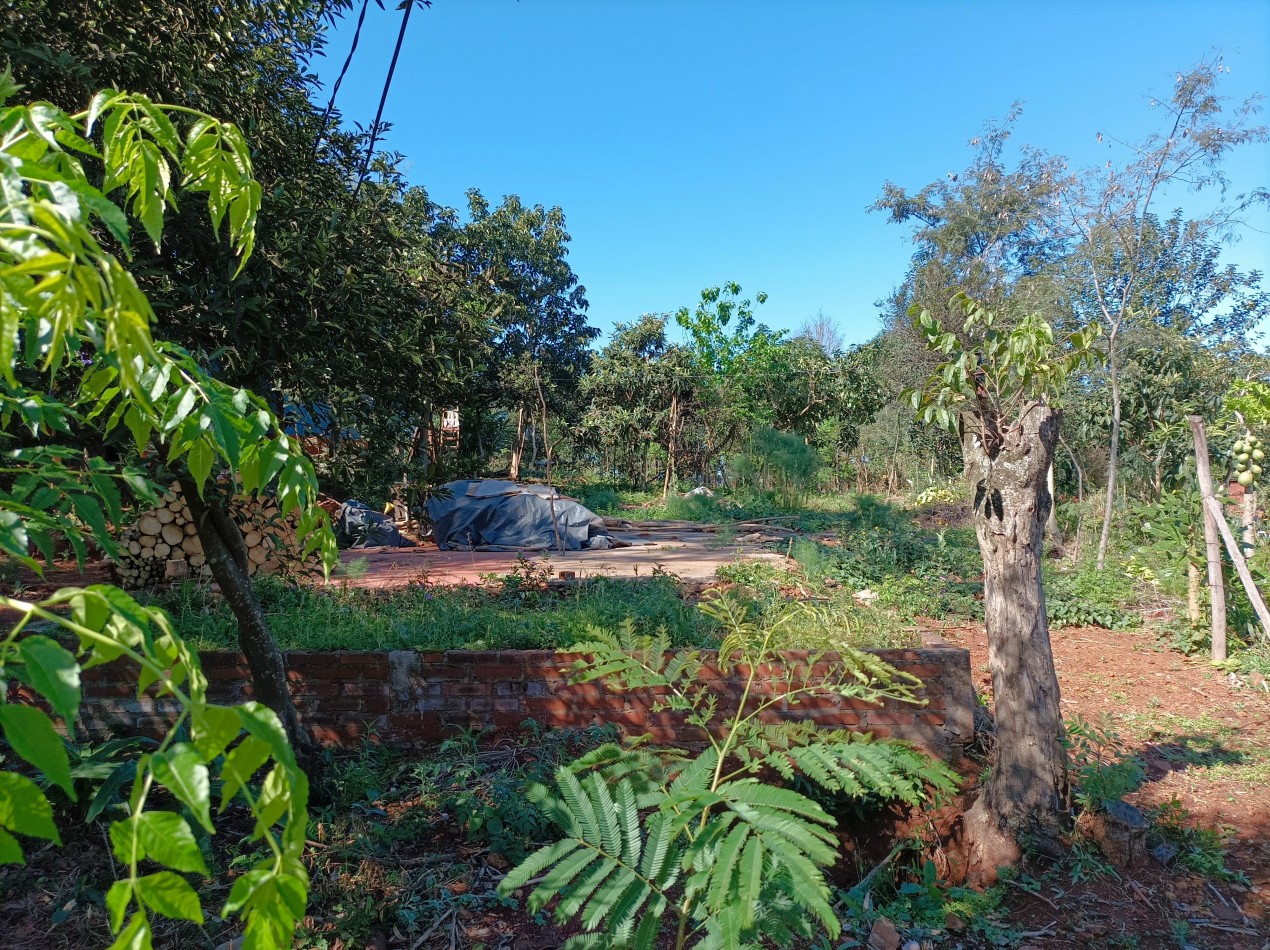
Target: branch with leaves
707,843
77,355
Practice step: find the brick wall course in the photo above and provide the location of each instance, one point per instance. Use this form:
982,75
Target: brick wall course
407,697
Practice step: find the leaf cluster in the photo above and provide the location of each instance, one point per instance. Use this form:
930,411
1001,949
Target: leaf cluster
991,371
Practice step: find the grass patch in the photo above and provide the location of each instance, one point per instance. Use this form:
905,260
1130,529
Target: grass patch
516,616
441,618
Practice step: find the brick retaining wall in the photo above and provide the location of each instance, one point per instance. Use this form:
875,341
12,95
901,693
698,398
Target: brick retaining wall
408,697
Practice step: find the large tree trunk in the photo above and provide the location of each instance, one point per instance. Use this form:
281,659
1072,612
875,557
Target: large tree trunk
227,558
1027,788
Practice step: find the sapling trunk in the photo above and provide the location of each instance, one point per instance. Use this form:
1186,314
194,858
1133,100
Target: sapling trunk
227,559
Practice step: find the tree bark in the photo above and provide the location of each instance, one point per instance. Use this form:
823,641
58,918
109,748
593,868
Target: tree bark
1194,586
670,448
227,558
518,449
1027,788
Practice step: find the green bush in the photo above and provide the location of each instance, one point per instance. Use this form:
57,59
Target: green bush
703,508
780,462
603,501
1088,597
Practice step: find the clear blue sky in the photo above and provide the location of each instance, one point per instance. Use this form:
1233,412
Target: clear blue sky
700,141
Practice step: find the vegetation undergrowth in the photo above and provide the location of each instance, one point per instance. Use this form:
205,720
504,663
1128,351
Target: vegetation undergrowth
712,847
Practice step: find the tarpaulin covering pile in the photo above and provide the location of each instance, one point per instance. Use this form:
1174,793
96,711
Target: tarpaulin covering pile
360,526
491,515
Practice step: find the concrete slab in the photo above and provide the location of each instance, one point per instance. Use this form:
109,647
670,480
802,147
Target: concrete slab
691,555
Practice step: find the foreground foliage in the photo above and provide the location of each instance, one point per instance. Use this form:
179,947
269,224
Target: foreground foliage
706,842
76,355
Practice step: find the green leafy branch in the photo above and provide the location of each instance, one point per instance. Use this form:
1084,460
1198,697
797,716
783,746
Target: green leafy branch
70,312
993,370
111,626
734,859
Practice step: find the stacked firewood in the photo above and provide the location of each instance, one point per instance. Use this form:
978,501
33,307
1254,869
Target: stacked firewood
162,545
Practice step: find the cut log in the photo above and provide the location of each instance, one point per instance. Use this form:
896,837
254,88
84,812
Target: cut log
149,525
172,533
164,515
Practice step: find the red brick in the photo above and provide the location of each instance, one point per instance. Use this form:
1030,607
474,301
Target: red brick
446,672
932,718
891,719
923,670
835,719
548,707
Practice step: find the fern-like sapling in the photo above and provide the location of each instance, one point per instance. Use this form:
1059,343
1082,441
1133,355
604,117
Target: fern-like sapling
733,859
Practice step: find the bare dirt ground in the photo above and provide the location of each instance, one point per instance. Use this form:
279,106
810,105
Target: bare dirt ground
1205,739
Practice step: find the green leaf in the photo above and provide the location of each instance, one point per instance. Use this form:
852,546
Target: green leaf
136,936
181,769
13,535
108,792
240,765
200,462
10,850
33,737
117,900
213,728
167,838
24,809
170,895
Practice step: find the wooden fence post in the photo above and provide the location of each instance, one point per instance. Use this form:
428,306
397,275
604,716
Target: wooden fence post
1241,565
1212,543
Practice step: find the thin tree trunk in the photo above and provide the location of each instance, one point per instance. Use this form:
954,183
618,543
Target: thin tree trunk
1027,789
1194,586
1051,523
1080,473
227,558
1248,514
518,449
670,447
1114,459
1212,543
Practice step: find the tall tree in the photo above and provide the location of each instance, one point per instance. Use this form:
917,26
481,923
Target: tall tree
1111,208
999,389
537,311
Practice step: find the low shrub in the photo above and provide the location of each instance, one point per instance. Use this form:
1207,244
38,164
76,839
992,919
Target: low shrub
1087,597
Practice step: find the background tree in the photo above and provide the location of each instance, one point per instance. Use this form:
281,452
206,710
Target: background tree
1110,214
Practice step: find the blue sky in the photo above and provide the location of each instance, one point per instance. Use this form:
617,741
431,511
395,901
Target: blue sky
700,141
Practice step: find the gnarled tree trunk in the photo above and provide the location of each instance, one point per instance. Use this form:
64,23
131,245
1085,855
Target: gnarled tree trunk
227,557
1026,791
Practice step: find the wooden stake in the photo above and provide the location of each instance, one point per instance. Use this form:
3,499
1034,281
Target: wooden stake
1241,566
1212,544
